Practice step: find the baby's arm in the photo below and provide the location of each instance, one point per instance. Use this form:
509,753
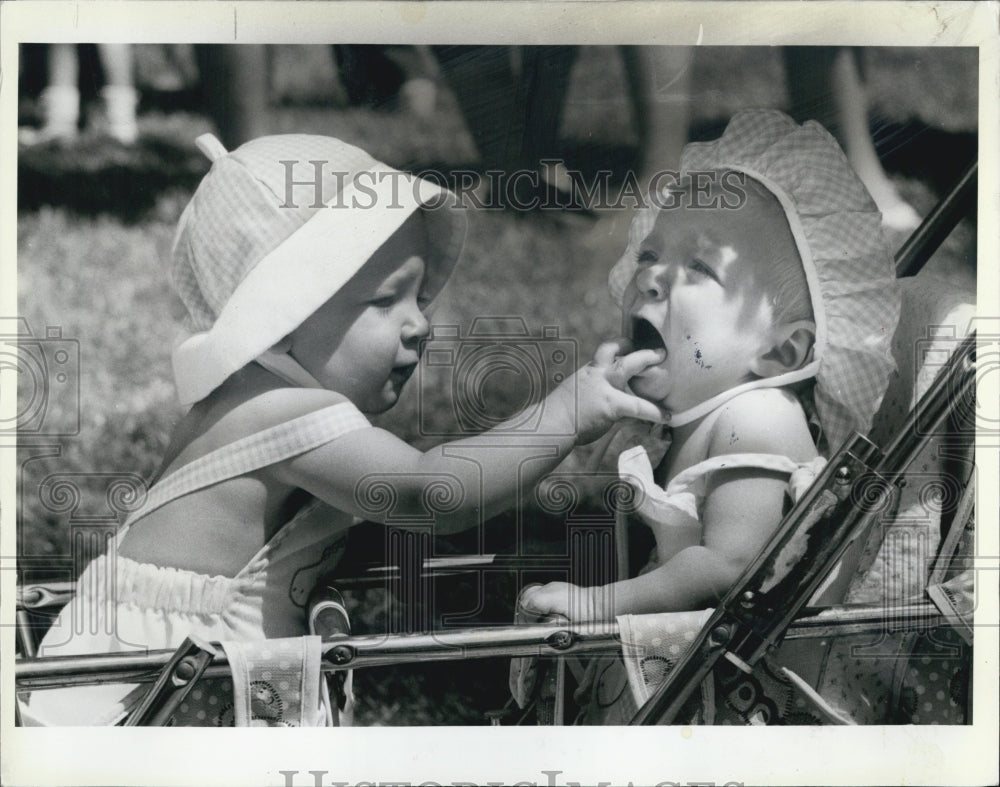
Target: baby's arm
485,470
741,511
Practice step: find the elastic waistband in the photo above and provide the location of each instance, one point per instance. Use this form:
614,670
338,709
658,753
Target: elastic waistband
126,582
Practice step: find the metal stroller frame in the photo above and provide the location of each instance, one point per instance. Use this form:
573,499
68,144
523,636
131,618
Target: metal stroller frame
765,607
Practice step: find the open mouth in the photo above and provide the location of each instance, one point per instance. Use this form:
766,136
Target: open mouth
645,336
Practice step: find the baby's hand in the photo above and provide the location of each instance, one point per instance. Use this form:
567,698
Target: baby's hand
602,389
546,600
559,598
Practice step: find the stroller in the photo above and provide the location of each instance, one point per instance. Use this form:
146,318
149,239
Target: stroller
896,647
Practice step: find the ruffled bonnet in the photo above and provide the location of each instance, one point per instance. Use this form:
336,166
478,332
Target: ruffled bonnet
849,271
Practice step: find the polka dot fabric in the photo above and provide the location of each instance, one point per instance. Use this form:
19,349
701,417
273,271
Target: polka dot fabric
894,563
934,683
888,679
210,704
652,645
275,684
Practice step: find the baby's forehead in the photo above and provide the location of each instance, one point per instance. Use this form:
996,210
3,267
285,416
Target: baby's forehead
383,271
407,240
753,220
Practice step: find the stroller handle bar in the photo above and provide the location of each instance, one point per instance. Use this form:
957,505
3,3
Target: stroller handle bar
377,650
922,244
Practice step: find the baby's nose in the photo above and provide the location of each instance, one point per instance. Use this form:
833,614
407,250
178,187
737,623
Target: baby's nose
416,328
653,281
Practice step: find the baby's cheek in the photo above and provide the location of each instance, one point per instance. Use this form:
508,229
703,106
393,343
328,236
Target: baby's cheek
701,361
628,301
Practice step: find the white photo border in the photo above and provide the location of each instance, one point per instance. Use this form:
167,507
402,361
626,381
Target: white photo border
828,755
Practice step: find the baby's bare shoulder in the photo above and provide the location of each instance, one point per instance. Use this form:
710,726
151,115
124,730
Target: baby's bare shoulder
279,405
767,420
264,410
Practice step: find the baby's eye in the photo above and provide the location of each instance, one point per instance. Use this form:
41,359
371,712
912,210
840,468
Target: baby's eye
648,256
702,269
383,301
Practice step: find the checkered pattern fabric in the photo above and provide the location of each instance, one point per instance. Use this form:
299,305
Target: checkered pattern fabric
235,217
295,216
838,231
258,450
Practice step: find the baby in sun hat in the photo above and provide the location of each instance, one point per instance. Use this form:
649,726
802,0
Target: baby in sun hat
307,268
763,275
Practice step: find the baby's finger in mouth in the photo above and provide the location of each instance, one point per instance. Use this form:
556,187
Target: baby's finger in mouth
633,363
608,351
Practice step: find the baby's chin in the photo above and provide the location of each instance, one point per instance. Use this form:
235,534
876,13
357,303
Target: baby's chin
379,402
649,387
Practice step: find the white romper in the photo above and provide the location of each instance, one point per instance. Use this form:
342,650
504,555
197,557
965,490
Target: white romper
124,606
650,651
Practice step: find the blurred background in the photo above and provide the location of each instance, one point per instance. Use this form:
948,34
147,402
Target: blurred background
107,162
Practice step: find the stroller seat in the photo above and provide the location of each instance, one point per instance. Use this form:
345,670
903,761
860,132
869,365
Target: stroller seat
896,676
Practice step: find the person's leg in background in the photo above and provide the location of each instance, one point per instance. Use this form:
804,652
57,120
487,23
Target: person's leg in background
483,81
824,84
659,87
368,75
659,80
61,97
542,89
379,76
234,86
119,94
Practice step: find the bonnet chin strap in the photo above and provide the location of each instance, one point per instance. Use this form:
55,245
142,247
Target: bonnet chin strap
704,408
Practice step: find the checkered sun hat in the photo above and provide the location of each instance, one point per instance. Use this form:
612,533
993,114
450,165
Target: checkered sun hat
838,233
274,230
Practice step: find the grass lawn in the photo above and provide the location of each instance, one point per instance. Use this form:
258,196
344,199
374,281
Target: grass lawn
99,271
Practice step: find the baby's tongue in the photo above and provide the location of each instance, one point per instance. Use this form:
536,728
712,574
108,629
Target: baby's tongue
646,337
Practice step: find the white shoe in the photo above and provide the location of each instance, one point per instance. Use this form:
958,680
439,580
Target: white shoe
61,111
899,216
419,96
120,102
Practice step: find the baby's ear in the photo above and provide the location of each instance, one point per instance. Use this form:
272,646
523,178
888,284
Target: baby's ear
791,348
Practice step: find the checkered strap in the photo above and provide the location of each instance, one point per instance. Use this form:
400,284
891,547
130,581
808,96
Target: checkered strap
255,451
